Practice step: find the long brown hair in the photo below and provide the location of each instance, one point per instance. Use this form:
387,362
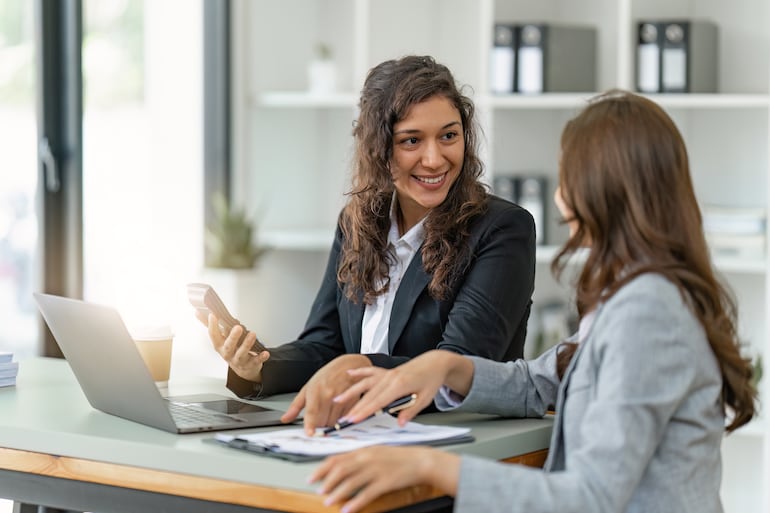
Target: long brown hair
390,90
625,175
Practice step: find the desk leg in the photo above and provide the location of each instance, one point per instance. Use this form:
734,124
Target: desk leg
20,507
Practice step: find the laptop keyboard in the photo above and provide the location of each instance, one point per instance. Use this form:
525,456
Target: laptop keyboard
189,416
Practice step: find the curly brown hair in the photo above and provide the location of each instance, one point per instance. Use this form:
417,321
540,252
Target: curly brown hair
390,90
625,175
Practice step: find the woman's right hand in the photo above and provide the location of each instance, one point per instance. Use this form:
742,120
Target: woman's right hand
356,478
244,362
422,375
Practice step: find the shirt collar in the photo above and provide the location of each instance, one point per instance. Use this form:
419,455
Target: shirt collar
416,234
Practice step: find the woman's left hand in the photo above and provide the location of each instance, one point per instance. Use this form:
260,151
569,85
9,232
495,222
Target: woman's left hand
422,375
363,475
317,396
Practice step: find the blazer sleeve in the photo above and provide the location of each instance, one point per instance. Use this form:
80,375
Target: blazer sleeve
291,365
490,313
530,387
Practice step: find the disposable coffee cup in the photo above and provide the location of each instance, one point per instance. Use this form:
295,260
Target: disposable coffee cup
154,344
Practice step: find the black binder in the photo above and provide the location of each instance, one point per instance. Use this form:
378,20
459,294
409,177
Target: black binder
689,62
502,66
505,187
530,193
649,42
555,58
677,56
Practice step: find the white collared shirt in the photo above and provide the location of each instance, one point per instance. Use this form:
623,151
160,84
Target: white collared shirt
374,330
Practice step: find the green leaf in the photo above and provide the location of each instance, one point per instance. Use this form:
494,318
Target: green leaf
230,237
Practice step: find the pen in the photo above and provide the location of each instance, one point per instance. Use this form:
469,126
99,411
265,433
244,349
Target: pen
394,407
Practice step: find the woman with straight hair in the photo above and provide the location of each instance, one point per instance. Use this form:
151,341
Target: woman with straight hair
645,390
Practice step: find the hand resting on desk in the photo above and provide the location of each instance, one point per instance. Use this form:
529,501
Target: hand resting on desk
423,375
317,396
357,478
367,473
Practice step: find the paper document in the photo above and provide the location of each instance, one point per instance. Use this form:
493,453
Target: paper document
381,429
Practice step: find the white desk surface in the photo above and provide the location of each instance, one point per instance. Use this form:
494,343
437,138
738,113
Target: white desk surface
46,412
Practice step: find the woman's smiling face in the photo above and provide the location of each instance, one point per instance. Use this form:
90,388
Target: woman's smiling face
428,154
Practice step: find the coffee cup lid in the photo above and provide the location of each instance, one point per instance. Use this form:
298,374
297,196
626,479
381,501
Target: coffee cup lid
155,332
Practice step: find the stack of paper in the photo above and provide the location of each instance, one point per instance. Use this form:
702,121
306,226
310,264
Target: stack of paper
293,444
734,231
8,370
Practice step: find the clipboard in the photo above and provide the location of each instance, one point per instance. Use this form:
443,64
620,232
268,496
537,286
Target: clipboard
244,445
382,429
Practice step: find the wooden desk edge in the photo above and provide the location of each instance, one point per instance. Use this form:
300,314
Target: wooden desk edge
209,489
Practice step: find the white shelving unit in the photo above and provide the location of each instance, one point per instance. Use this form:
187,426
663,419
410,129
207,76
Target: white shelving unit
293,147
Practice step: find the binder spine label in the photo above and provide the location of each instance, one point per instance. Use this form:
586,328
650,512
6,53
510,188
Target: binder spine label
648,53
675,58
531,60
531,70
648,63
675,69
502,64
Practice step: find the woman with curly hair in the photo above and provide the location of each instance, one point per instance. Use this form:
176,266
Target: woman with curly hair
423,257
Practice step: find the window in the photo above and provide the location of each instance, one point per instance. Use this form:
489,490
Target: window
18,220
142,155
140,193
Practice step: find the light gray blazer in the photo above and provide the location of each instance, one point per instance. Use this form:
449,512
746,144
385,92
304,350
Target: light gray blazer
638,425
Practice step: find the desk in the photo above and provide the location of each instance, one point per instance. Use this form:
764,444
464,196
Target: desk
56,450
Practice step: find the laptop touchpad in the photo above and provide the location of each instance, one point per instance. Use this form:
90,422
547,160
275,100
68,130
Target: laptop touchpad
230,406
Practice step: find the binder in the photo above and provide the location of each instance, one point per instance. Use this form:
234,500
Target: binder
677,56
530,45
689,56
504,186
648,52
531,196
530,193
555,58
502,66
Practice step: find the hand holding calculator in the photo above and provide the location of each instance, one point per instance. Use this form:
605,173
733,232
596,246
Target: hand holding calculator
205,299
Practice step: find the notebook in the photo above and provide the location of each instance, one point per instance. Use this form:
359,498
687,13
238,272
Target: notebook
115,380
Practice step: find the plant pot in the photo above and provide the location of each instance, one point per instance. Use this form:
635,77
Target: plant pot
322,76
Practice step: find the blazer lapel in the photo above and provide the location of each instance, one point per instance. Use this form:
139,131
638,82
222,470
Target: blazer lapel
355,315
412,284
555,457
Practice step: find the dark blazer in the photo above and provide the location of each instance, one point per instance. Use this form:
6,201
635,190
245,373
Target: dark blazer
485,314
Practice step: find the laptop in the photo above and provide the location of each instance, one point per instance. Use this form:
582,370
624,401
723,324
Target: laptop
115,379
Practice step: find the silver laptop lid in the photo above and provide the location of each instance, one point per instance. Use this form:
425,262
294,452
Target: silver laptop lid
105,360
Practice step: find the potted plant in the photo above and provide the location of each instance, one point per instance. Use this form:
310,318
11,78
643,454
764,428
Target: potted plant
230,238
322,71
